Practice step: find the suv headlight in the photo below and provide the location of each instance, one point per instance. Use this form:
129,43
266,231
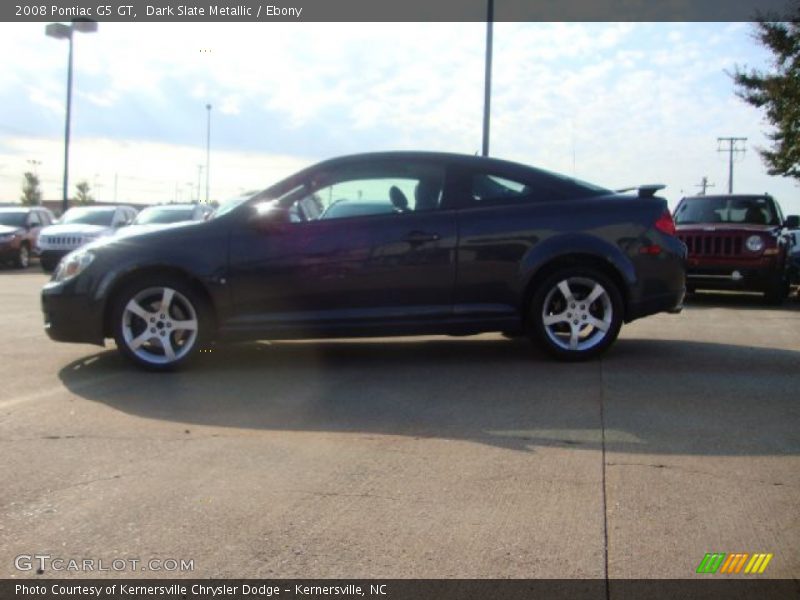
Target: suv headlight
754,243
72,265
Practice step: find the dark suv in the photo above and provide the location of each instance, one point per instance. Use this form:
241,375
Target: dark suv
735,242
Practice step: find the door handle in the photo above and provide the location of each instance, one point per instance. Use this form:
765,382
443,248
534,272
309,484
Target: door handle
420,237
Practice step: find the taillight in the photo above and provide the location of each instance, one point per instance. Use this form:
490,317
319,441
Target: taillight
665,224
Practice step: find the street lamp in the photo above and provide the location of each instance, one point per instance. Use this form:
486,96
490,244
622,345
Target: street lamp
64,32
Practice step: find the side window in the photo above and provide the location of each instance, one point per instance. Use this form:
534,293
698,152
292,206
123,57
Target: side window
367,190
492,189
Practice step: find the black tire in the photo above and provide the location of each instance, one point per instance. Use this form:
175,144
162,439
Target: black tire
130,327
574,318
48,264
777,292
23,258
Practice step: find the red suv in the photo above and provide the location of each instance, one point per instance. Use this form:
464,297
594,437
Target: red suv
19,231
735,242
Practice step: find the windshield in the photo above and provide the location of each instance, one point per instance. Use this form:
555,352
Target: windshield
755,210
13,219
89,216
163,215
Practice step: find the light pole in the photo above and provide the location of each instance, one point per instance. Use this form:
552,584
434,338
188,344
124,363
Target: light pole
487,84
208,149
64,32
199,175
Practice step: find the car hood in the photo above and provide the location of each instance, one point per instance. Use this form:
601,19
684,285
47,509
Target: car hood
724,228
75,229
6,229
148,228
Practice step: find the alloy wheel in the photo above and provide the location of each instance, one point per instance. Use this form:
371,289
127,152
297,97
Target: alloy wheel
577,314
159,325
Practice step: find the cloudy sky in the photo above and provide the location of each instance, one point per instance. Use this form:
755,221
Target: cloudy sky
615,104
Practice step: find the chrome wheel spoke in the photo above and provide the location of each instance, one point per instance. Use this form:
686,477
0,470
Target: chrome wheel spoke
184,325
573,337
141,339
565,291
596,293
169,351
134,307
598,324
166,300
558,318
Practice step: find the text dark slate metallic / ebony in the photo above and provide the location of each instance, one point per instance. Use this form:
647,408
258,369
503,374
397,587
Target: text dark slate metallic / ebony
401,243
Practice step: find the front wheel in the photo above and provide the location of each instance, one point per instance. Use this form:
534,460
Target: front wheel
576,314
23,258
159,324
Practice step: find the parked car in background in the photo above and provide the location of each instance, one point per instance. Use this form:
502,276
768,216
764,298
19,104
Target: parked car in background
78,226
794,258
736,242
19,232
446,244
159,215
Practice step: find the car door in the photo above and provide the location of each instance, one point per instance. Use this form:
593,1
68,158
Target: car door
502,215
357,246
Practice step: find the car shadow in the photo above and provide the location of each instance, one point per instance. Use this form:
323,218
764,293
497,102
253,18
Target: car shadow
709,299
658,396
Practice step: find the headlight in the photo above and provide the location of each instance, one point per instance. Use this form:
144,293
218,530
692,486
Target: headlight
72,265
754,243
7,237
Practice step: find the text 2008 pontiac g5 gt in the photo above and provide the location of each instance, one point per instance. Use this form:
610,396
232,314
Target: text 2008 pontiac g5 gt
400,243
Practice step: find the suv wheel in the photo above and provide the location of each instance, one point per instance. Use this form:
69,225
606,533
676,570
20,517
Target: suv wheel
159,324
576,314
777,292
23,258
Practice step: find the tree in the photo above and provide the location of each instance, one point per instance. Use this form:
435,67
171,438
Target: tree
777,92
31,194
83,196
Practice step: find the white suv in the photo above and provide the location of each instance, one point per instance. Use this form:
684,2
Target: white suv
80,225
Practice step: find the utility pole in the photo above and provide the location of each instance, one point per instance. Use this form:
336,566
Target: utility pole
730,149
703,185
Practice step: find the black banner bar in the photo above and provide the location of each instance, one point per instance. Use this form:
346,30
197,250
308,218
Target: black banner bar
711,588
390,10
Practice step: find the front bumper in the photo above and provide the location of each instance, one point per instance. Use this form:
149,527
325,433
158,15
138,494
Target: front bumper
52,257
9,250
732,277
71,316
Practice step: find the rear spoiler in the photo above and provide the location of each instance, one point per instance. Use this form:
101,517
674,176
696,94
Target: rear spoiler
645,191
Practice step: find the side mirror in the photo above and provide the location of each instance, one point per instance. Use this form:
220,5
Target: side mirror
792,222
270,217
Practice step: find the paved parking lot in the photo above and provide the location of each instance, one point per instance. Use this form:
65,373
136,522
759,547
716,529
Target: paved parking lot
421,457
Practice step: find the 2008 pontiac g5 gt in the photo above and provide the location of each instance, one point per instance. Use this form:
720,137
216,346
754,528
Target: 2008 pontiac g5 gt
401,243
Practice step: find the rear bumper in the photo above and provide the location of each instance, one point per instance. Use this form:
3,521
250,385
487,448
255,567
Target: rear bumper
71,317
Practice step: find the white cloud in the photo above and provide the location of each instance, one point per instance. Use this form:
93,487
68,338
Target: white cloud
617,103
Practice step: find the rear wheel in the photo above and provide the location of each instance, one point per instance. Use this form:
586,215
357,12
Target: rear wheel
23,258
159,324
576,314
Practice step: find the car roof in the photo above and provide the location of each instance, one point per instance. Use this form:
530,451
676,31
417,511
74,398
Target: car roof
448,158
17,208
728,196
172,206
